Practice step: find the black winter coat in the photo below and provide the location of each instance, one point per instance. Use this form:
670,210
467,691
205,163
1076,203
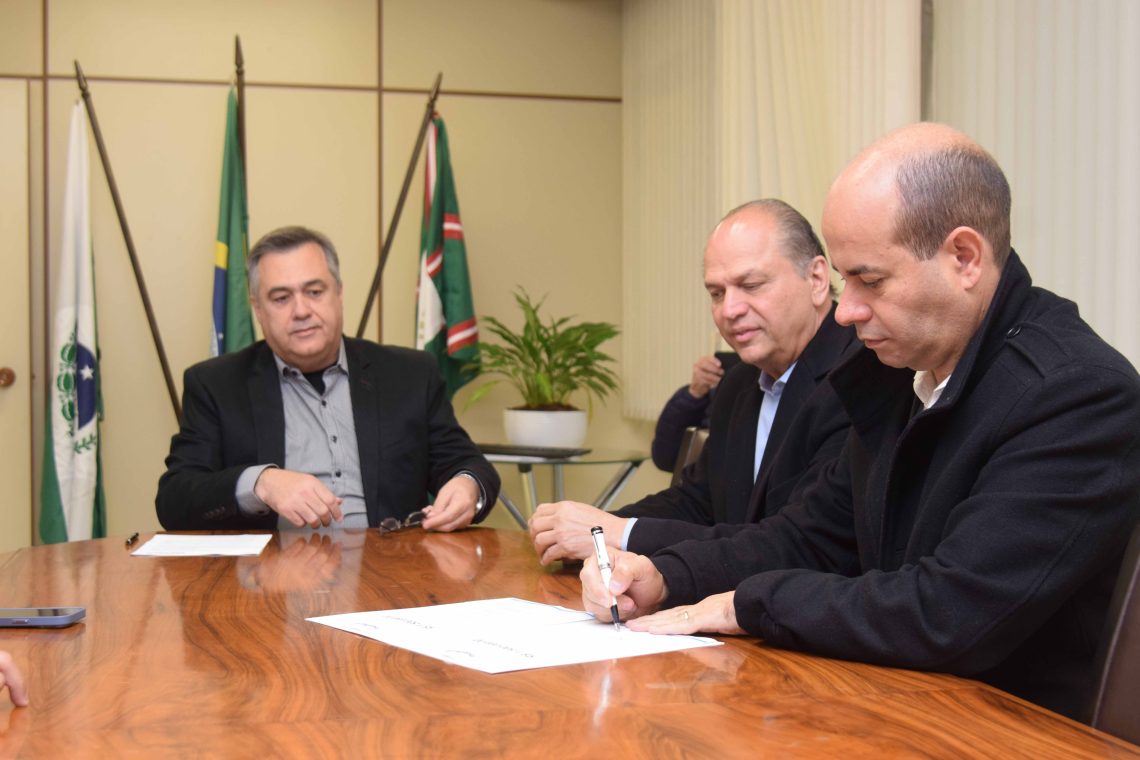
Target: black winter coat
981,537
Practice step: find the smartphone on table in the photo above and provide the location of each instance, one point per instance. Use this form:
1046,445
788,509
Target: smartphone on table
40,617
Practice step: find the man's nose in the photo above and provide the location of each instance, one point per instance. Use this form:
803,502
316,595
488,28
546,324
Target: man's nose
851,309
301,307
734,305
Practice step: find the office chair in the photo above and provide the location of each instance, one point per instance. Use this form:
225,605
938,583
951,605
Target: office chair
692,441
1113,707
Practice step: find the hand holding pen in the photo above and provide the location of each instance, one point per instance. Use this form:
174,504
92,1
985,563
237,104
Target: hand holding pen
606,569
636,588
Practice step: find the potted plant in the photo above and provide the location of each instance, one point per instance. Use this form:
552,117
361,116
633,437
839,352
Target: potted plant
546,362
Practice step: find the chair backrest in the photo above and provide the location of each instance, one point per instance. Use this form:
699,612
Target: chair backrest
692,441
1115,704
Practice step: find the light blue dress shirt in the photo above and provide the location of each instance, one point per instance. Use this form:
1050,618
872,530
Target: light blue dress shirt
770,392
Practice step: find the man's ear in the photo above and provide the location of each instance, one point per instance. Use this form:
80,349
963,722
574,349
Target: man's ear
967,254
819,277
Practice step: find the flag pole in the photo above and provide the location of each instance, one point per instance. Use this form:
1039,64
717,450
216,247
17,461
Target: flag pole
375,289
174,402
239,64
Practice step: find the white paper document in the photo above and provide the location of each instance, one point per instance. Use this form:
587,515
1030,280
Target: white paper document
501,635
166,545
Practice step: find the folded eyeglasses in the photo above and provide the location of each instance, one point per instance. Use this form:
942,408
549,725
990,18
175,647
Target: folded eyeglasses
391,524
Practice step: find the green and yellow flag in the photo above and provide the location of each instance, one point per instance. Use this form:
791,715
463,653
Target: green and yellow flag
233,324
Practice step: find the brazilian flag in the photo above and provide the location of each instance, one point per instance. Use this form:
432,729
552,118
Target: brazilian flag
233,325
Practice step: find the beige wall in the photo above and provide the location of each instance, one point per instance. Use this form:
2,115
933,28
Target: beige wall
535,136
15,348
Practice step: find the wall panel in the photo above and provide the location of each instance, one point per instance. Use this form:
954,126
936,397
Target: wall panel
21,32
15,399
565,47
294,41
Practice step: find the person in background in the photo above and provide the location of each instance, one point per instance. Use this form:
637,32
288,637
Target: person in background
689,407
774,423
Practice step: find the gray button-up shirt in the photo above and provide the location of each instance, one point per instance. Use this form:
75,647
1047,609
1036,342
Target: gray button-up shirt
320,439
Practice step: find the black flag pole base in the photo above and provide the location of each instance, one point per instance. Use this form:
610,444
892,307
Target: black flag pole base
387,247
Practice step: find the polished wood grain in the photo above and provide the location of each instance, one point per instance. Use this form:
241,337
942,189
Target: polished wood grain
212,657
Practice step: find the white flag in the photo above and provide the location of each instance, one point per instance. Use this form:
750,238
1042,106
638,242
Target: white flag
72,503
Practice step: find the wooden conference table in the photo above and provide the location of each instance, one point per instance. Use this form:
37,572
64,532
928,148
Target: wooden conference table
212,657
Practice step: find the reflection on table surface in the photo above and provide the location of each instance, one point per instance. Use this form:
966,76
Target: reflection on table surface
212,656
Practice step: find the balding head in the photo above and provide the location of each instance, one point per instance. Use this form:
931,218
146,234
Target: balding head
797,240
940,180
918,226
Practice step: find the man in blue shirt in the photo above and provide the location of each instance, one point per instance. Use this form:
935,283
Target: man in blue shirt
774,422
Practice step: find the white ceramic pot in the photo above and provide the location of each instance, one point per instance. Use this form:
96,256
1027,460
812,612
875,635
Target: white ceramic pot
526,427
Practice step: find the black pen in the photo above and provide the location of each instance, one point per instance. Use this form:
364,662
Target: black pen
131,541
606,568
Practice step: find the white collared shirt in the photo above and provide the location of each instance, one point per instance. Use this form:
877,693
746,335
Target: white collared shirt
928,393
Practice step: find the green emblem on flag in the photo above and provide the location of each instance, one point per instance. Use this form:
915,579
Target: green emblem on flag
72,500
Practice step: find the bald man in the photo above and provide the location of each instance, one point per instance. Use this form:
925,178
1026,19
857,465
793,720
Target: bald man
976,520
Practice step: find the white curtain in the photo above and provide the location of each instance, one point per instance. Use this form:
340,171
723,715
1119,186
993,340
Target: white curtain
1052,89
805,85
669,195
728,101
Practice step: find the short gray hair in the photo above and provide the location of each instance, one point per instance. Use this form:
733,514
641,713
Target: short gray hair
939,191
798,243
286,239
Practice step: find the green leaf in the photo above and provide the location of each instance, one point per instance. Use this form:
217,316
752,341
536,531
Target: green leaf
547,361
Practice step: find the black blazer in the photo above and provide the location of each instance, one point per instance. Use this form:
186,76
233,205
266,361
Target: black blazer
409,441
718,490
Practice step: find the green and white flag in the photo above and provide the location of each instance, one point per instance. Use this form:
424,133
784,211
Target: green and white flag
72,505
445,314
232,323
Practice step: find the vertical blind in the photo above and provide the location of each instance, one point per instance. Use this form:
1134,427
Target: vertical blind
1052,89
725,102
669,194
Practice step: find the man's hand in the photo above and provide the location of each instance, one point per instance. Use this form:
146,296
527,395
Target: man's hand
454,506
713,614
299,498
562,530
707,373
10,676
636,586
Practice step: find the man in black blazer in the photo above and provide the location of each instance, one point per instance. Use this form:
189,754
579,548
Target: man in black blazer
774,422
310,427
